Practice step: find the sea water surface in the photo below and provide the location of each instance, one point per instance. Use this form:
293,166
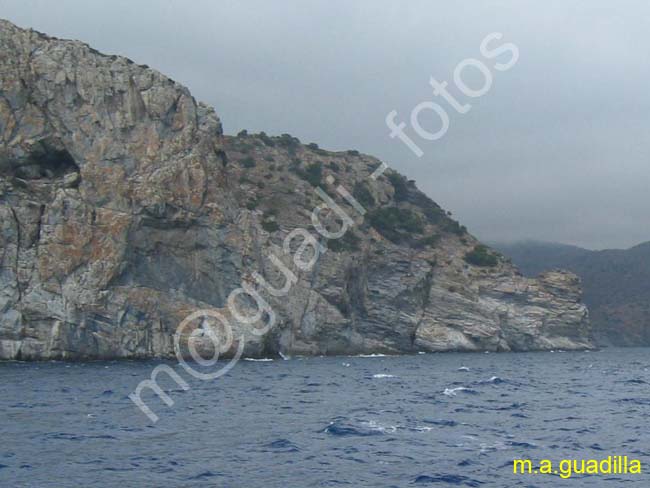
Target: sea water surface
424,420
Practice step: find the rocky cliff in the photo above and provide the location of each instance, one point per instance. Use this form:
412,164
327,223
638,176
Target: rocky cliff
616,285
124,208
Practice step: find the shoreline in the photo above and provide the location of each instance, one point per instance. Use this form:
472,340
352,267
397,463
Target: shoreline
173,359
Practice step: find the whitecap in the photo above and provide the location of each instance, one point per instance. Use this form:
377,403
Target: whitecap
380,375
371,356
497,446
494,379
260,360
463,368
451,392
376,426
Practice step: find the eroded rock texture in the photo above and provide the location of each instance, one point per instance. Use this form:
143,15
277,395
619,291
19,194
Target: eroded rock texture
123,208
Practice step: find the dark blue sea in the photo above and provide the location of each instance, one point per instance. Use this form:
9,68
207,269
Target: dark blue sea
426,420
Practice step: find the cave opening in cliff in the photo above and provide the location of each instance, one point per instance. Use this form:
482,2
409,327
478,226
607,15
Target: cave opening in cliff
45,160
48,160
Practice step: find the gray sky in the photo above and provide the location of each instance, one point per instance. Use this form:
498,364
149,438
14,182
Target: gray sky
558,149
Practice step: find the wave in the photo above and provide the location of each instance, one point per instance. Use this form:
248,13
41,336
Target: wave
635,381
341,428
441,422
347,430
448,479
452,392
376,426
282,445
205,474
495,380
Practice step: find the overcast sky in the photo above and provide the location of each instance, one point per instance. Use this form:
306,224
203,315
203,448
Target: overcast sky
557,149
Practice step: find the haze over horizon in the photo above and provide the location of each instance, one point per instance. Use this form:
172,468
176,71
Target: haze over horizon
555,151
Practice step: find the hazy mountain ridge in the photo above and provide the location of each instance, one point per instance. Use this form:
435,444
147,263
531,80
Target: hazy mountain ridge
616,284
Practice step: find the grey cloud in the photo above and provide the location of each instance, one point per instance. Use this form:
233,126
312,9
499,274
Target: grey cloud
556,150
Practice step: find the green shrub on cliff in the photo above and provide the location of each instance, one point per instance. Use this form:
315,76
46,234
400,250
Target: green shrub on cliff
349,242
455,228
362,194
270,226
248,162
266,139
482,256
400,186
396,224
312,174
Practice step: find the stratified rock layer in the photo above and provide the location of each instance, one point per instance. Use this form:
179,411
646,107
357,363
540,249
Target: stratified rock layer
615,283
123,209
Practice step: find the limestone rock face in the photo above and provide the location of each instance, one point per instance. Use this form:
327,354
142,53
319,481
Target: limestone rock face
123,209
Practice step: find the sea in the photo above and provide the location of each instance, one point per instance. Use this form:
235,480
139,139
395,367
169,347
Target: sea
449,419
